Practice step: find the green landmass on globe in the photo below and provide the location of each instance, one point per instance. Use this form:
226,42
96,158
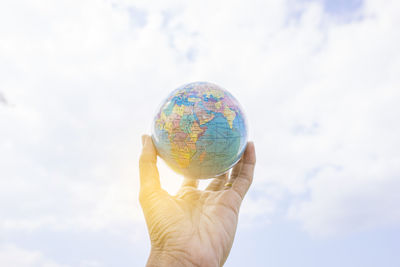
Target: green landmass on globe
200,130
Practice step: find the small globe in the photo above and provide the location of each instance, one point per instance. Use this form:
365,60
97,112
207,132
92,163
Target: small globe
200,130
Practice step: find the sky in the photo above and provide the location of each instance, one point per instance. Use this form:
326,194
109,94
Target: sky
319,80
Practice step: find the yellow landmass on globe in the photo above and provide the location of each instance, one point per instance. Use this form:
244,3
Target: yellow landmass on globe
203,116
214,93
182,155
230,115
164,123
178,109
195,131
194,99
161,120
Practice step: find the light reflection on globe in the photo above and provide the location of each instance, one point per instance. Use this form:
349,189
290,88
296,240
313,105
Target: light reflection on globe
200,130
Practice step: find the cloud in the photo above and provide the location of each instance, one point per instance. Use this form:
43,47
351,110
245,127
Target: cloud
319,95
80,85
356,199
11,255
354,150
3,99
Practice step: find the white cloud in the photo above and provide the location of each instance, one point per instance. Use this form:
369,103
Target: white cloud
355,198
11,255
3,100
85,79
354,150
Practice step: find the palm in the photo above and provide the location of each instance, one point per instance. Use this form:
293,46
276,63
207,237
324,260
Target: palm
202,222
197,224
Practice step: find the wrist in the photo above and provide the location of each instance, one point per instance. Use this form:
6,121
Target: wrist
176,258
159,258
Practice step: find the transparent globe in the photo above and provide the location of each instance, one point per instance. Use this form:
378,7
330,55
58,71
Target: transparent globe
200,130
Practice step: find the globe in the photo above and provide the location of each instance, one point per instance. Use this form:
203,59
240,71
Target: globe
200,130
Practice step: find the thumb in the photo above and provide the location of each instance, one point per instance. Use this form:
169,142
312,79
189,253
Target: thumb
149,176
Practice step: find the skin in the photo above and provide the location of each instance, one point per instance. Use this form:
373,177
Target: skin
194,227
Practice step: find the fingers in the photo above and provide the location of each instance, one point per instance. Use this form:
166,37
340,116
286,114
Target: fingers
218,183
234,173
236,168
149,177
245,175
190,182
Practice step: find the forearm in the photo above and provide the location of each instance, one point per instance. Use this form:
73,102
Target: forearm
176,259
161,259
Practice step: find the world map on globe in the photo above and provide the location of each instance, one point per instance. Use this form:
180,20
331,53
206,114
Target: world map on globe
200,130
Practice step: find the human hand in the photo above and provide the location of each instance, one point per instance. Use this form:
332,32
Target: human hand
194,227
